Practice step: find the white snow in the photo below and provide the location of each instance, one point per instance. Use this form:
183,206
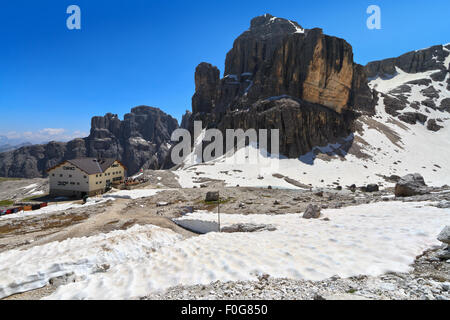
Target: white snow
31,186
369,239
36,193
55,208
297,29
401,77
133,194
24,270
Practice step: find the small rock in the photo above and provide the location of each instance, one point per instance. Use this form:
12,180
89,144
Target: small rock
372,188
312,212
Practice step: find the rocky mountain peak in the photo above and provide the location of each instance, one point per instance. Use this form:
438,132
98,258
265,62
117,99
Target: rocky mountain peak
140,140
267,25
277,57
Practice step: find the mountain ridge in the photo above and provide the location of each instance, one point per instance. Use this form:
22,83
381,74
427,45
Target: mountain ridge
277,75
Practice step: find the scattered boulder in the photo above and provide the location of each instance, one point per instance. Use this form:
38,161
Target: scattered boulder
248,227
430,92
433,126
411,185
212,196
445,104
413,117
444,236
352,188
312,212
372,188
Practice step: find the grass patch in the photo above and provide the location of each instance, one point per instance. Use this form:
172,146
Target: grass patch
9,179
221,201
352,291
33,198
6,203
210,205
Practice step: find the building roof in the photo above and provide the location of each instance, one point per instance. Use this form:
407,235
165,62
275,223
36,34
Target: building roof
91,165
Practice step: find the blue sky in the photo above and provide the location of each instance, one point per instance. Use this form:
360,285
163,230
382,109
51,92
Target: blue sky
135,52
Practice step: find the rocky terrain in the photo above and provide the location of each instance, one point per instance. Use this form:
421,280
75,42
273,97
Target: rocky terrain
429,280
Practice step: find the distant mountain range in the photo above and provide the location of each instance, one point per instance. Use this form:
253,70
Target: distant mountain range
277,75
9,145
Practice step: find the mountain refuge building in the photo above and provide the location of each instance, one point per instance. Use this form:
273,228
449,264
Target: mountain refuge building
85,177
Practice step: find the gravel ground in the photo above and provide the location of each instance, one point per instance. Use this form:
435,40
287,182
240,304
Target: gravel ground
430,280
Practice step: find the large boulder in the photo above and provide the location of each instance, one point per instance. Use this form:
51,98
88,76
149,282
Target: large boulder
312,212
444,236
411,185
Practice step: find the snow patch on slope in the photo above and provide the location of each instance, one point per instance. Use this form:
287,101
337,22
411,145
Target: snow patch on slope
369,239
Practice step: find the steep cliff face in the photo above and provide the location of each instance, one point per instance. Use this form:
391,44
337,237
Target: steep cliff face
278,57
139,141
307,76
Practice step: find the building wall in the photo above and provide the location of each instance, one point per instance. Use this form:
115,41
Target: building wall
99,181
67,179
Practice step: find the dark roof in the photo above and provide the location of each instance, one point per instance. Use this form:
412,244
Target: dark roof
92,165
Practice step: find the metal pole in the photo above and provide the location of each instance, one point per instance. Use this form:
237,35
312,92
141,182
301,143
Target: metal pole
218,211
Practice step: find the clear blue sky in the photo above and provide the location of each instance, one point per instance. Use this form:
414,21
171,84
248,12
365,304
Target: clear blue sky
136,52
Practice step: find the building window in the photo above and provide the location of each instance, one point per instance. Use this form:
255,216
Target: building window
84,177
53,174
70,176
60,175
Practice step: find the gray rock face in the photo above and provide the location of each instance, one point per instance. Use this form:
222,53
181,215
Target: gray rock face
413,117
411,62
411,185
433,126
444,236
312,212
139,141
372,188
280,76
